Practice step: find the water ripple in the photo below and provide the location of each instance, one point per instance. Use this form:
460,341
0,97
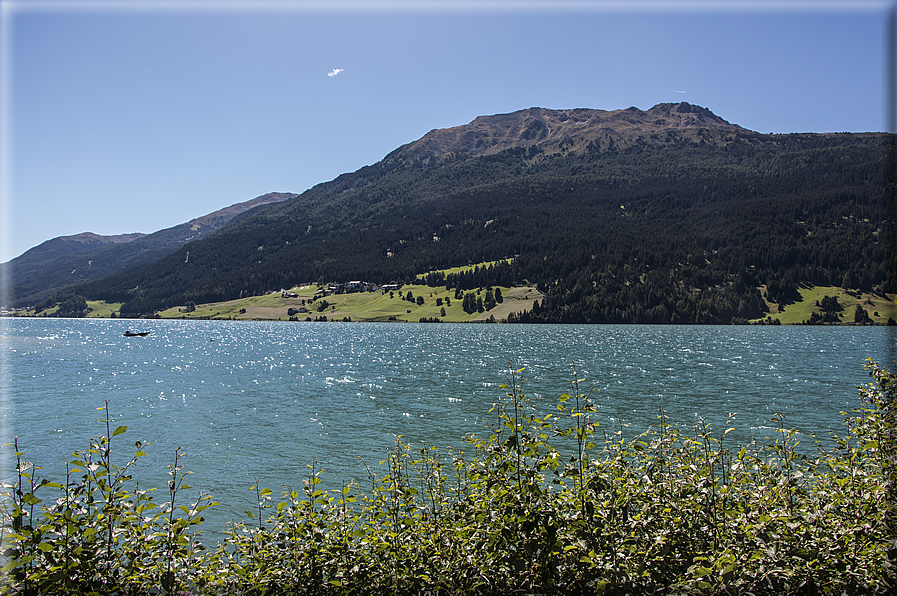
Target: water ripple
264,399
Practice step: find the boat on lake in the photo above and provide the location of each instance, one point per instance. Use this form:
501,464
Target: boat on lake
130,333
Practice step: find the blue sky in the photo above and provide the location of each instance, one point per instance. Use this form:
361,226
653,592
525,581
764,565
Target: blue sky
133,116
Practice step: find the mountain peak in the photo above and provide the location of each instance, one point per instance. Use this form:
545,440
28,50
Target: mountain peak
688,115
549,128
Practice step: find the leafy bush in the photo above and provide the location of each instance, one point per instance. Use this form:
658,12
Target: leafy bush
96,537
541,505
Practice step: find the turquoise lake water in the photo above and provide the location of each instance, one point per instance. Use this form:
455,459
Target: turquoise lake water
252,401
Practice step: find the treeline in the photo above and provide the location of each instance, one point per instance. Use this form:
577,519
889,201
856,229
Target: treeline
69,303
681,232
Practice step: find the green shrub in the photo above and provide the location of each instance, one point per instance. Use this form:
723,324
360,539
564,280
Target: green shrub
96,537
540,505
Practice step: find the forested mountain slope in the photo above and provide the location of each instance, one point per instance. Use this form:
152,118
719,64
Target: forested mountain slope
665,215
31,261
39,273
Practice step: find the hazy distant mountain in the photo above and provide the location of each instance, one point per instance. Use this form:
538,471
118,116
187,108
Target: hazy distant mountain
64,246
68,260
664,215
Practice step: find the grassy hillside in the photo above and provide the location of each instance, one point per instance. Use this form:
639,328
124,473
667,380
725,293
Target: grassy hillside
379,306
879,308
102,310
363,306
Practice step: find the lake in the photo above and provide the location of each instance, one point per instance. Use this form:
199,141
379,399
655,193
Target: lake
259,401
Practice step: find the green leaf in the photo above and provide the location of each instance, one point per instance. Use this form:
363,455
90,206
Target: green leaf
10,566
30,499
119,430
168,580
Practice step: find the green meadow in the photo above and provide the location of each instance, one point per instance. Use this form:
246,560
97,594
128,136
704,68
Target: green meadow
381,305
440,304
100,309
879,308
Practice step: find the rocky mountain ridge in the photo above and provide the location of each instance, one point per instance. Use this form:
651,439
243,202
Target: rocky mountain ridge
554,130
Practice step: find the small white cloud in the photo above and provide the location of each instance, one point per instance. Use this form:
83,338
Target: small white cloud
677,91
335,72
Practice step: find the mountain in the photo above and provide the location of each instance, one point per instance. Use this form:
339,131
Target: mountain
65,246
556,130
39,273
670,214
